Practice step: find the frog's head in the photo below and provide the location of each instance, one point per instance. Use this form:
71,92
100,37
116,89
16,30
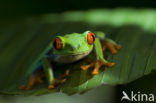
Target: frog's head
74,44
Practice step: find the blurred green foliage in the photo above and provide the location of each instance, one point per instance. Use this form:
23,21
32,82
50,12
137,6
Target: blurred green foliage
18,8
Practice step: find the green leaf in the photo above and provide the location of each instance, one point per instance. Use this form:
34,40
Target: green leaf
23,43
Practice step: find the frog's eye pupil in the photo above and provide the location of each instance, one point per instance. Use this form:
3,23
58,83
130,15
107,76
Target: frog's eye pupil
91,38
57,43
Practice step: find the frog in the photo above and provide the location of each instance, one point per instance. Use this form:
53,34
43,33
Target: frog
71,48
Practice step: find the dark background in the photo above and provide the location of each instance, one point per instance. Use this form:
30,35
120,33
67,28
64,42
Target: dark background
11,8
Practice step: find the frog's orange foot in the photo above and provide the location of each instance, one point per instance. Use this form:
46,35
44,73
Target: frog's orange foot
51,86
97,64
37,79
118,46
113,48
33,80
56,83
60,80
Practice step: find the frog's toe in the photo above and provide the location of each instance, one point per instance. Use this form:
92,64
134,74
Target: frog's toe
56,83
97,65
95,71
86,67
51,86
108,64
67,72
118,47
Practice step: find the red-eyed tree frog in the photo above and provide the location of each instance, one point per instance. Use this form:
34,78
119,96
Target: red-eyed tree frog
71,48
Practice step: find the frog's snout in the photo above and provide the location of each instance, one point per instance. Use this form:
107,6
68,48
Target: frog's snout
76,47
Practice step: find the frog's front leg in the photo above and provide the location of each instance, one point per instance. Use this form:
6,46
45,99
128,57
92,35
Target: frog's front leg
100,59
46,71
49,74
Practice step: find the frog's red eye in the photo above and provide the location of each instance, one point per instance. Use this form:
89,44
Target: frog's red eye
91,38
57,43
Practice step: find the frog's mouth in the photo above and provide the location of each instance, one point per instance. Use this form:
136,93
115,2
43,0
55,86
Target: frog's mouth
70,58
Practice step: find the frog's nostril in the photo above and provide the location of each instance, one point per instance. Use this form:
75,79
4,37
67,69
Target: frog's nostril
78,46
73,47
